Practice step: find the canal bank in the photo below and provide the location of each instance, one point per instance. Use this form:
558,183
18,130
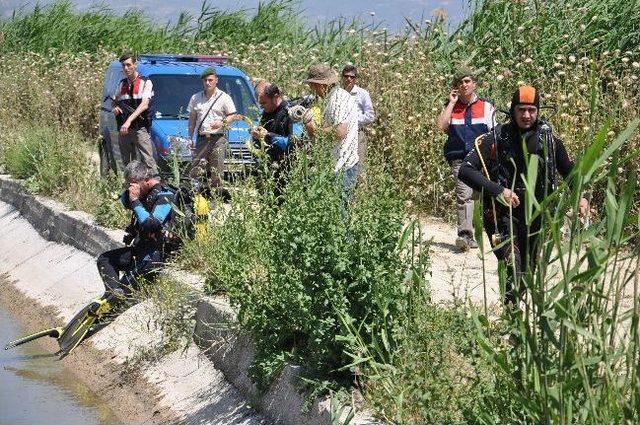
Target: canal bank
47,282
49,254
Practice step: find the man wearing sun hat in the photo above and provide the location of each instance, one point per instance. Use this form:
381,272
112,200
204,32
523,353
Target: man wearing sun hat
339,121
496,167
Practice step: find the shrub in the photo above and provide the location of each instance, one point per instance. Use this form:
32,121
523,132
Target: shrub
50,161
56,163
291,266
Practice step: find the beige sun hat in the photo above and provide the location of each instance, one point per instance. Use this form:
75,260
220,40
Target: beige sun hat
322,74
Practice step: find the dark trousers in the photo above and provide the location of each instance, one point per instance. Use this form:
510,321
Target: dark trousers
133,262
517,247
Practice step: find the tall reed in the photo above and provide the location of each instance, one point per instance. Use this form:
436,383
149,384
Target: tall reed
573,356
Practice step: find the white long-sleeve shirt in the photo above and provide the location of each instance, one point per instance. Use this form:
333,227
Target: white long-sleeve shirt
365,106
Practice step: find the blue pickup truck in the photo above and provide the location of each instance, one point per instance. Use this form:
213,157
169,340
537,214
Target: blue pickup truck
175,79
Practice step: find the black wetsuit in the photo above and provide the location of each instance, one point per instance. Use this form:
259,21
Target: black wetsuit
150,246
505,163
279,125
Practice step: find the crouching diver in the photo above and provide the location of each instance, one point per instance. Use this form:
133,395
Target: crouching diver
496,165
152,206
147,238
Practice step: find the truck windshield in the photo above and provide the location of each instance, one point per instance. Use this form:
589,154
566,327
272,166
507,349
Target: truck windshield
172,93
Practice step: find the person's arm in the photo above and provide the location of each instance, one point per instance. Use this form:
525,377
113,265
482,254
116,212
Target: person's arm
473,175
563,162
445,116
147,92
193,116
340,130
230,112
149,221
366,114
490,113
124,199
337,132
472,171
344,110
310,127
233,117
114,98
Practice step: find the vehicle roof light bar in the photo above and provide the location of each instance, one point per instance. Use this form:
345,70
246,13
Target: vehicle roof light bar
216,59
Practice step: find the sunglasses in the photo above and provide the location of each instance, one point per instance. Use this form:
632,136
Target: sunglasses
353,77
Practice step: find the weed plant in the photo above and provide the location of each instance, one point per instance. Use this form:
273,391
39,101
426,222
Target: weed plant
291,265
574,352
173,311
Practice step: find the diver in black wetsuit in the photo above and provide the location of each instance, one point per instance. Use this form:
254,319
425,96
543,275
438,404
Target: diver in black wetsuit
276,129
147,234
495,167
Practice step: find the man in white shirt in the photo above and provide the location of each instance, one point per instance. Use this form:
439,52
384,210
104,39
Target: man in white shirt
209,111
339,121
365,108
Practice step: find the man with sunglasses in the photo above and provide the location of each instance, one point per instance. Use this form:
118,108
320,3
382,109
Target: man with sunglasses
365,107
465,117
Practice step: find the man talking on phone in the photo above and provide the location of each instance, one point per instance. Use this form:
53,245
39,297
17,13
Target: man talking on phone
465,117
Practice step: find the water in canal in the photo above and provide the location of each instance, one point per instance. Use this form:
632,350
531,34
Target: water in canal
36,389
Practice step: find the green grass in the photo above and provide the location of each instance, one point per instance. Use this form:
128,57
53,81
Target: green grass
576,359
56,163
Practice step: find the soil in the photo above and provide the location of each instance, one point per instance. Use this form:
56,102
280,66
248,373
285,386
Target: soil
456,274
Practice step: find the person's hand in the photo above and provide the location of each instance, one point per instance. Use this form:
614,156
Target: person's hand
453,96
134,191
116,110
259,133
310,127
216,125
128,238
124,129
583,207
510,197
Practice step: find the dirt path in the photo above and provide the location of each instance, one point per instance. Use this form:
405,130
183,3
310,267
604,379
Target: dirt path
455,273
